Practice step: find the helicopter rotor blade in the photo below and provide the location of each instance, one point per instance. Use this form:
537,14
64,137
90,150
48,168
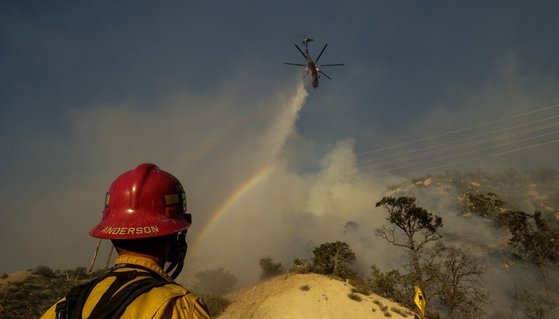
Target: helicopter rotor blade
296,64
335,64
301,51
329,78
324,48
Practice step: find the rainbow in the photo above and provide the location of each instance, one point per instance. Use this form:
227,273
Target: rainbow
236,195
284,125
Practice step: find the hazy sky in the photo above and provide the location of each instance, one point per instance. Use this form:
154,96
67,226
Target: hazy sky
88,91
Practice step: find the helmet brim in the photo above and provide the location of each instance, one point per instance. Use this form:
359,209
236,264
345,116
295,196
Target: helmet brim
134,229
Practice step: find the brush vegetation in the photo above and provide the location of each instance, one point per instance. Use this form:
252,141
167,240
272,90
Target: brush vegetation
451,277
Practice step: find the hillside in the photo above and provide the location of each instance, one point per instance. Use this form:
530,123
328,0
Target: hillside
518,281
308,296
28,293
18,276
286,296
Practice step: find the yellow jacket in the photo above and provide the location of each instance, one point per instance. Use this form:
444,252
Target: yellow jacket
168,301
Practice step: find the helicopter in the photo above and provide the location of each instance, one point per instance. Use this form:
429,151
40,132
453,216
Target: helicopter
312,65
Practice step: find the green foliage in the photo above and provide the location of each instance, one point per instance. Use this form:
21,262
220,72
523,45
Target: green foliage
270,268
382,308
216,304
31,297
300,266
453,278
416,224
532,237
410,218
390,285
44,271
401,312
535,240
359,286
333,259
217,282
483,204
353,296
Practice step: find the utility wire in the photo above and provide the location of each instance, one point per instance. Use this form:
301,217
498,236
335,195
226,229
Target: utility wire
455,147
366,177
456,141
511,139
459,130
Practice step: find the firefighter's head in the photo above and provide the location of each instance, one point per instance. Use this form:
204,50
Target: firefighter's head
145,213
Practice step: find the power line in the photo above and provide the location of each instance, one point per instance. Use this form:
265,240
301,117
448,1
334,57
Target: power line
424,153
425,170
391,155
512,138
514,135
466,152
459,130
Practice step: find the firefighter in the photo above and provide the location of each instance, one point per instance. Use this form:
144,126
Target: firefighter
146,219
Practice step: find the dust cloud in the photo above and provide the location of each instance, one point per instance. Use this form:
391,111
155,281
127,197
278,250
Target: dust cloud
238,155
276,212
229,147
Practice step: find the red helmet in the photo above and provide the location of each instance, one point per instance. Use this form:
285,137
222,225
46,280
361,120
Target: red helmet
142,203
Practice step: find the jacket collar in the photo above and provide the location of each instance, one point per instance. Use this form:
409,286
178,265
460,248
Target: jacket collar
144,262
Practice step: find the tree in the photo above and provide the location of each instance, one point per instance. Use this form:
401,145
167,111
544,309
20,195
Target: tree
301,266
351,227
419,227
483,205
533,239
216,282
459,286
44,271
452,276
270,268
333,259
390,284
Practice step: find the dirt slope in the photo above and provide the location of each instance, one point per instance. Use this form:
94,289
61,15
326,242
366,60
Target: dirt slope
15,277
308,296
